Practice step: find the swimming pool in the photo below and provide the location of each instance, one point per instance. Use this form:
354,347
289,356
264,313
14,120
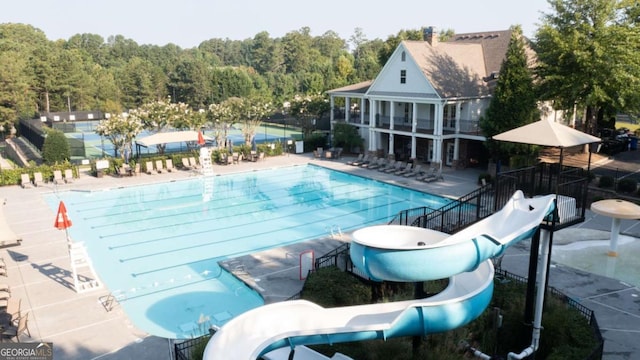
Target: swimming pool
157,246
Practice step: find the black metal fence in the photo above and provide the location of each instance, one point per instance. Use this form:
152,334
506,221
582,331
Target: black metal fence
191,349
451,217
588,314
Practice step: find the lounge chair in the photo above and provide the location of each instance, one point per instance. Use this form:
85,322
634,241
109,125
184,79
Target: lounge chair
25,181
169,165
37,179
429,173
14,331
194,164
359,158
185,164
11,311
378,164
417,170
396,167
404,170
434,177
372,161
57,177
122,170
159,166
261,156
364,160
236,158
390,164
68,176
149,168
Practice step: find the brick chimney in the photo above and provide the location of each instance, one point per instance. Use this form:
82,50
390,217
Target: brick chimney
430,35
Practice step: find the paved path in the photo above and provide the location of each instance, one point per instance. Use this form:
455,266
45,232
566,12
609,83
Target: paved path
80,328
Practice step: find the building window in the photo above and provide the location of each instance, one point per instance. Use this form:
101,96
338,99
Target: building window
403,76
406,112
404,56
449,116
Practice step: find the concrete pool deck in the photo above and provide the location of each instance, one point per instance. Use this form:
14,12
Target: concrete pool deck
80,328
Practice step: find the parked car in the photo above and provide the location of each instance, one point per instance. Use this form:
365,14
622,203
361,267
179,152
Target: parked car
614,141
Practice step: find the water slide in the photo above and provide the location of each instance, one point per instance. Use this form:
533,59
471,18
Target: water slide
395,253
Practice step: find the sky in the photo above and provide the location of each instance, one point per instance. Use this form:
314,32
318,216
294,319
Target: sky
187,23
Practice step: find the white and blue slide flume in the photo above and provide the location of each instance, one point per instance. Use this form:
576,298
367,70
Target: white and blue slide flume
395,253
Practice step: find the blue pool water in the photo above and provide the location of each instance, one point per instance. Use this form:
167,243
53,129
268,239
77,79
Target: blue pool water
157,246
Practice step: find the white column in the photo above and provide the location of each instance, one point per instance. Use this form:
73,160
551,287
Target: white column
414,118
331,102
456,149
372,124
392,114
438,126
362,108
458,110
391,145
347,109
414,129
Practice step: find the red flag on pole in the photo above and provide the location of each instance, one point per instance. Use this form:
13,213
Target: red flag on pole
200,138
62,220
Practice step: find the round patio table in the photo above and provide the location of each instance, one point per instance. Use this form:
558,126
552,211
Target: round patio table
617,210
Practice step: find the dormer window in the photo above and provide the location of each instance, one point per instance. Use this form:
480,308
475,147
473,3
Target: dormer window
403,56
403,76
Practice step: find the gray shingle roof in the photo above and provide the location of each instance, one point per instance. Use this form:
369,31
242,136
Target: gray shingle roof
458,67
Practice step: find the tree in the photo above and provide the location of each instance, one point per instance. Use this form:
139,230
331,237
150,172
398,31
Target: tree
190,83
392,43
222,117
306,110
56,148
14,92
159,116
513,103
347,136
254,110
120,130
589,58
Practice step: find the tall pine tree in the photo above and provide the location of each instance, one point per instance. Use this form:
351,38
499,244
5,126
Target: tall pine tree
514,100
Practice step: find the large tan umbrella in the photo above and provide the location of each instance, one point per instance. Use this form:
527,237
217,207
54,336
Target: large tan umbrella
547,133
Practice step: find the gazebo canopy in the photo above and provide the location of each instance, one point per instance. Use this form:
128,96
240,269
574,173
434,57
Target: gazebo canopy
170,137
547,133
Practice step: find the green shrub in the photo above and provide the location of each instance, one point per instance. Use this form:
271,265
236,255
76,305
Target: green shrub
605,182
566,335
627,185
314,141
56,148
329,287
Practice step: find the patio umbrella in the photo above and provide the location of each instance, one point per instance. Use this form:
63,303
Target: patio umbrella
547,133
62,219
201,141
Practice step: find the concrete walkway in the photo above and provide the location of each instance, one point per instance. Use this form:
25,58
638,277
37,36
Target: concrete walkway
81,328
